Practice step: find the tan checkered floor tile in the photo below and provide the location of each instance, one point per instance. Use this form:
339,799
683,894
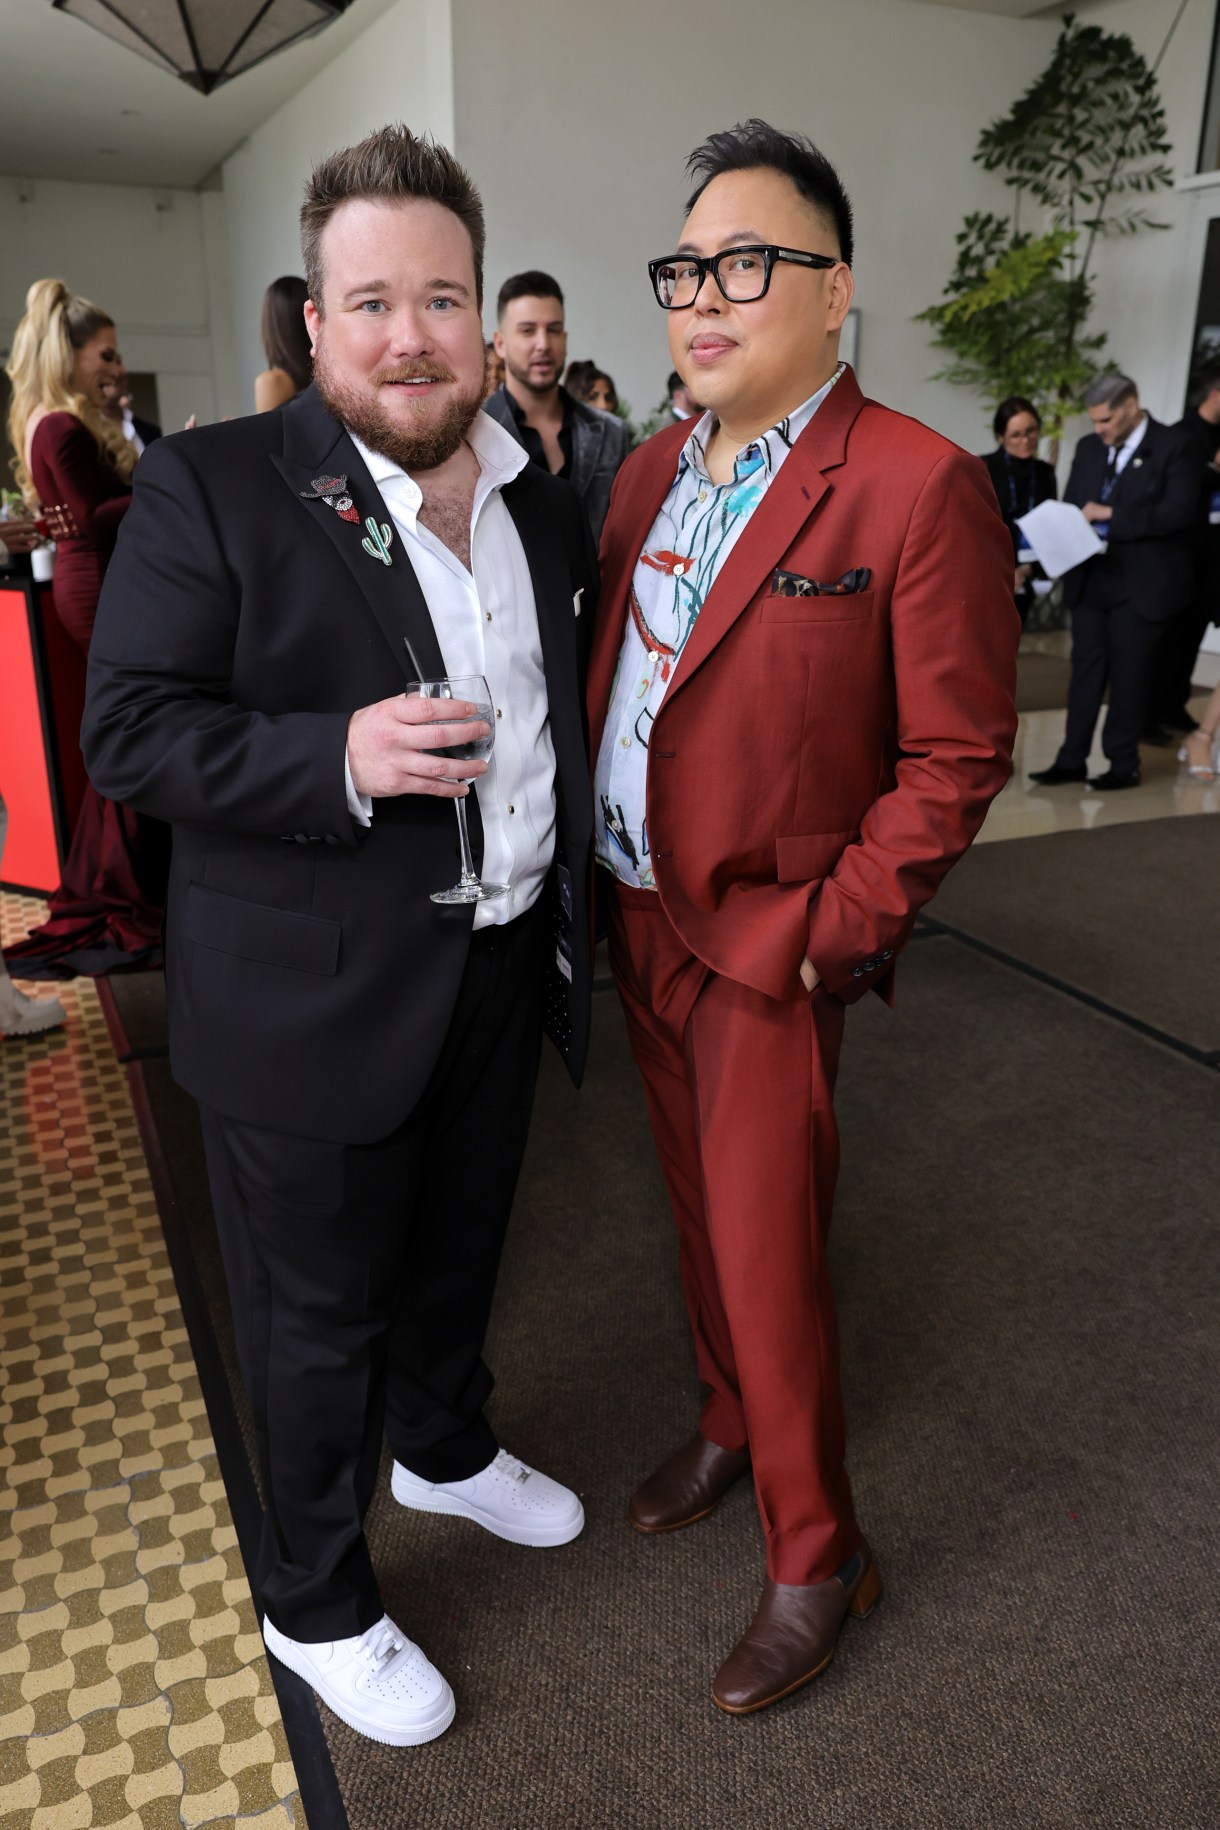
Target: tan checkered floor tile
134,1690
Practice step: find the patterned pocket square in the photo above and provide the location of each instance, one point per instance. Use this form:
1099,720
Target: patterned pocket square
795,584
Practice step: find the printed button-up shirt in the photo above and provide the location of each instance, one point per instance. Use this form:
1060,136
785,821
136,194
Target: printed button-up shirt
699,524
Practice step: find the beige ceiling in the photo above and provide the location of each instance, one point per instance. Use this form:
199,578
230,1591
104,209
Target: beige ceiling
73,104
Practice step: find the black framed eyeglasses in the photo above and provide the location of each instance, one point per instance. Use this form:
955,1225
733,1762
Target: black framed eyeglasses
742,274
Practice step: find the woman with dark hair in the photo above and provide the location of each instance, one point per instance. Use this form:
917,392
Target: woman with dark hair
285,343
74,460
1021,480
585,381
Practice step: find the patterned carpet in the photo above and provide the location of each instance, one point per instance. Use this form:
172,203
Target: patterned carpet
133,1687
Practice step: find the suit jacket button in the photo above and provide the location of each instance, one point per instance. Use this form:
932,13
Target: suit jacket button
857,972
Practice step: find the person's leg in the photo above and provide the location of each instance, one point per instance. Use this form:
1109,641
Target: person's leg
312,1235
657,983
764,1076
474,1119
1086,685
1132,642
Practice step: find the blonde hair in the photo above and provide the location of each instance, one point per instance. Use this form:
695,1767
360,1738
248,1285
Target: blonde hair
41,368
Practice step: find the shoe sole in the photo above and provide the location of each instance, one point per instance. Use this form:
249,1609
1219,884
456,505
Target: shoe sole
428,1730
512,1534
861,1606
34,1023
652,1531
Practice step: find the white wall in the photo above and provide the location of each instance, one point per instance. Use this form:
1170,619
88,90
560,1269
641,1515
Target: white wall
399,69
576,122
137,253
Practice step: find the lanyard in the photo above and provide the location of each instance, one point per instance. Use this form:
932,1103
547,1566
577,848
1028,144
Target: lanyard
1110,480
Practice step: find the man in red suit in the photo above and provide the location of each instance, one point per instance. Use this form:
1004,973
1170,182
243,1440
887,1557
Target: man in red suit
801,699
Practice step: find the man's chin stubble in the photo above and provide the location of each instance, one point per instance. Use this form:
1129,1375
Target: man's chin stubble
412,451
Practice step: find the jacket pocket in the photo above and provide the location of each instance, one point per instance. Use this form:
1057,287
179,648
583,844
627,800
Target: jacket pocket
808,855
251,930
852,607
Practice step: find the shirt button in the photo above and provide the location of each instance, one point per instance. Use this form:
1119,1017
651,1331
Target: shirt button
678,571
489,616
511,808
626,742
499,713
703,495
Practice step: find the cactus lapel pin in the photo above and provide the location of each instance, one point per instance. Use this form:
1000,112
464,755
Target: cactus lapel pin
376,542
333,491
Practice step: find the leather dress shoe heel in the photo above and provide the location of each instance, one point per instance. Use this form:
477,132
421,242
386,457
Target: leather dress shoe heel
1116,778
686,1487
793,1636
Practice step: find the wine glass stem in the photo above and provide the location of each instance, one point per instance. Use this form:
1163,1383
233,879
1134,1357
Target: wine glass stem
468,875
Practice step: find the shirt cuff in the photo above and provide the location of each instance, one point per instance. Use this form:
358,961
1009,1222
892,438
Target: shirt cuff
360,806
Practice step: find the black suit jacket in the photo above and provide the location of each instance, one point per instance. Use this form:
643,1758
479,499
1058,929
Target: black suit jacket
147,431
600,442
1039,486
310,979
1148,555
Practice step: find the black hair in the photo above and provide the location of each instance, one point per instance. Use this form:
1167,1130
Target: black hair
755,144
675,381
1008,409
285,338
531,285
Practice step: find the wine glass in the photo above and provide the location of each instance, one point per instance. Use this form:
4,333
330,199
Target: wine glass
472,687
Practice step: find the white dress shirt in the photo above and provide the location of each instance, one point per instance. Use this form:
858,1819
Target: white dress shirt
1130,446
486,622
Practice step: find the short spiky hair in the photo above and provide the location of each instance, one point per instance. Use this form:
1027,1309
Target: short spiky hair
533,284
393,165
753,145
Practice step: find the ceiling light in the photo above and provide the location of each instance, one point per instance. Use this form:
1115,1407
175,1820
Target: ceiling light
205,42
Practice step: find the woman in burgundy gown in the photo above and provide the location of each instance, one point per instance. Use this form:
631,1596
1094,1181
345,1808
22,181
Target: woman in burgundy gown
106,914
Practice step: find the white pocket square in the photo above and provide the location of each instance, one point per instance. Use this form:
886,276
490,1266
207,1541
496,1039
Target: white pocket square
576,600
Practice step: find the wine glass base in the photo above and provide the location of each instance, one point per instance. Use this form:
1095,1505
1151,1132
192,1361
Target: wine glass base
470,892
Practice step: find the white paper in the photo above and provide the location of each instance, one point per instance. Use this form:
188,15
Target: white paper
1060,536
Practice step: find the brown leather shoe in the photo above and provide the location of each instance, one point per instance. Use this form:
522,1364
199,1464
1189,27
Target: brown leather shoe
686,1487
793,1636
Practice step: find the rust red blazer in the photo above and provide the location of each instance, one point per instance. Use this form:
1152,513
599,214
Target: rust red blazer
820,762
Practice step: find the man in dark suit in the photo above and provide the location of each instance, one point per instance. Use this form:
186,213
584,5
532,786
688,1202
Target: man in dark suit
364,1057
560,433
801,704
1138,482
1173,673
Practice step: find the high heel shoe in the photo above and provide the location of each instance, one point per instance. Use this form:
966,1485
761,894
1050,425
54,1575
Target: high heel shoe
1200,772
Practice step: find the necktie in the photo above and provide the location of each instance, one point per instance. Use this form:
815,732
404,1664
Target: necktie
1111,476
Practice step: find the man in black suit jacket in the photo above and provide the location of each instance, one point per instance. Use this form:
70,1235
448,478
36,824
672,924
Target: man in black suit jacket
1137,481
559,432
364,1057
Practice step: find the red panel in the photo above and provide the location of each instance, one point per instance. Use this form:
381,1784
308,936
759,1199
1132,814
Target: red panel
66,666
31,856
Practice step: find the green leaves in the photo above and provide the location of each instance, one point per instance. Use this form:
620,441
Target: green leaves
1086,144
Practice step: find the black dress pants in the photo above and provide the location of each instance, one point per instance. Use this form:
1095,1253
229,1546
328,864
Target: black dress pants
361,1279
1112,645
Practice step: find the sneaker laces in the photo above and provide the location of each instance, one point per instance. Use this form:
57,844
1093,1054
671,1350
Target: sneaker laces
380,1646
513,1469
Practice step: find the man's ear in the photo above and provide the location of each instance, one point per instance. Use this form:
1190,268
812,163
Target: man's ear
498,342
313,319
842,291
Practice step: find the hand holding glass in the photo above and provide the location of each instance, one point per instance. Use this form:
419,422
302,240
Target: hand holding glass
473,688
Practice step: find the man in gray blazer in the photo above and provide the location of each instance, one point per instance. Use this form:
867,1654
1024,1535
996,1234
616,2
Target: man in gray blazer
561,434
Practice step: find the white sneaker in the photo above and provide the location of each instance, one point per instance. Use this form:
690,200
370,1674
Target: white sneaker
379,1683
507,1498
22,1016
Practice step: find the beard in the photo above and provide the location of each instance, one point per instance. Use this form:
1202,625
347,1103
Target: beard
525,378
360,410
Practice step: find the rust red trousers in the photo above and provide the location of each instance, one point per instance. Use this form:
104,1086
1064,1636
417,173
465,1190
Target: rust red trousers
740,1092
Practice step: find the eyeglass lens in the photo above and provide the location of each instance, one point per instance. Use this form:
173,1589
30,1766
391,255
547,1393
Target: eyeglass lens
741,274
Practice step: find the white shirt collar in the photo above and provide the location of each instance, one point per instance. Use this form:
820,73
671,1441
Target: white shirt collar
1135,438
499,455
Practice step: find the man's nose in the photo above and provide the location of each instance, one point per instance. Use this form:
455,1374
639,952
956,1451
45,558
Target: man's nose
409,335
709,296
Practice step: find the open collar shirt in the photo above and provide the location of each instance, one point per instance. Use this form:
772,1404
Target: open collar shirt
486,622
699,524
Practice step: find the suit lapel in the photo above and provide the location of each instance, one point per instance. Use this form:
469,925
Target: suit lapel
544,554
315,444
774,525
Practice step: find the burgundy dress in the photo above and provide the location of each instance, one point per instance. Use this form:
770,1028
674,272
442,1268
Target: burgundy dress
106,913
